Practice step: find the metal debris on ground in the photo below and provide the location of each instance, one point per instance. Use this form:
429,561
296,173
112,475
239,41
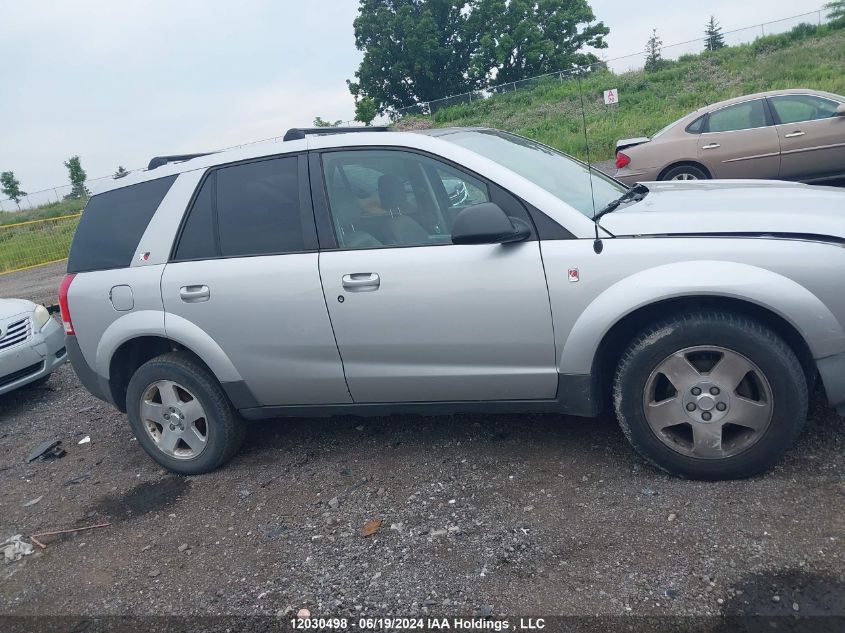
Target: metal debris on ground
33,501
34,537
371,527
51,449
78,480
85,440
14,548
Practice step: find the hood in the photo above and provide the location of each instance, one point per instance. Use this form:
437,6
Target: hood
12,307
733,207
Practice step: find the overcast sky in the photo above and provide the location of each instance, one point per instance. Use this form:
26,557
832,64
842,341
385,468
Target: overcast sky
118,82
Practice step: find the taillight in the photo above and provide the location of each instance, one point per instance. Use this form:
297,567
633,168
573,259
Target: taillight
63,288
622,160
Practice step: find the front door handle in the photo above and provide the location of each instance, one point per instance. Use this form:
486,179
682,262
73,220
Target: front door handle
361,282
711,146
194,294
794,134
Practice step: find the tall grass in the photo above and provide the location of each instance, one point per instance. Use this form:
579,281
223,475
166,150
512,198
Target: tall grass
806,57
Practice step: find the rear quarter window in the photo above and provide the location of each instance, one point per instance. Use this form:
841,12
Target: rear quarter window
112,225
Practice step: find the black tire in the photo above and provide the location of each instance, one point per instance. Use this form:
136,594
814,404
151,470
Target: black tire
774,358
224,427
694,172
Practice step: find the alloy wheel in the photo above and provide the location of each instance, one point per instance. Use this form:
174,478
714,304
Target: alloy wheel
708,402
174,419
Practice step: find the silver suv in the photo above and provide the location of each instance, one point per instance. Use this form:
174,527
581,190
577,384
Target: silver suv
455,270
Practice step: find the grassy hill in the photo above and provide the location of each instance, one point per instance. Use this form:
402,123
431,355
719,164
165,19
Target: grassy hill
52,210
806,57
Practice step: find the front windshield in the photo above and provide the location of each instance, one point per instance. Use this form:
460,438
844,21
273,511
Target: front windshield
557,173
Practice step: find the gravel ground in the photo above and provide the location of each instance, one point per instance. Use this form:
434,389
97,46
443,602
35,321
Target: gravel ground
534,514
39,284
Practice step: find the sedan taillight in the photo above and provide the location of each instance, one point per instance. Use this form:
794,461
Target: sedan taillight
622,160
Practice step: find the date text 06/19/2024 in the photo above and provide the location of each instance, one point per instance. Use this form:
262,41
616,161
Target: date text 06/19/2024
418,624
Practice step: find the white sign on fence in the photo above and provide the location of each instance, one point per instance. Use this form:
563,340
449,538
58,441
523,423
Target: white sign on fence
611,97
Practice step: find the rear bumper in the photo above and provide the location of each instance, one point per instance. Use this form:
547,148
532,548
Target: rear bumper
39,356
91,380
633,176
832,370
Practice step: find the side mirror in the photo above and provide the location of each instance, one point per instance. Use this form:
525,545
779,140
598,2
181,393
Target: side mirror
486,223
840,111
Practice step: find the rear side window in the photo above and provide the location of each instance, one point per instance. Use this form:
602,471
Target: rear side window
198,239
696,126
112,225
742,116
248,209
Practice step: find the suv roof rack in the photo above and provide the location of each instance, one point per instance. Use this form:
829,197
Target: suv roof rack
297,133
160,161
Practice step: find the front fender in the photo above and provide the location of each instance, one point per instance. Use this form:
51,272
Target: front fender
805,311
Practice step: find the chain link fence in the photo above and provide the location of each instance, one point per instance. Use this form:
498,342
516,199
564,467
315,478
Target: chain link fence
623,64
33,243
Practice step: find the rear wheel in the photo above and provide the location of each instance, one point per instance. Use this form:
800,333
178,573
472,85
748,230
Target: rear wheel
685,172
710,396
181,416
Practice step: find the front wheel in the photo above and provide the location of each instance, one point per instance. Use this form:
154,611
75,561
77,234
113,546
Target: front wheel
710,396
181,416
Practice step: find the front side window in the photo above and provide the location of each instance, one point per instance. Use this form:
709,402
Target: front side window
742,116
798,108
248,209
395,198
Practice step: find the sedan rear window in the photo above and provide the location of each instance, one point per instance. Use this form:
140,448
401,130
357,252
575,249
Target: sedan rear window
112,225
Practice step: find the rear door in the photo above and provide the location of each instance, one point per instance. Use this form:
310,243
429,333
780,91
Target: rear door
417,318
812,137
739,141
243,277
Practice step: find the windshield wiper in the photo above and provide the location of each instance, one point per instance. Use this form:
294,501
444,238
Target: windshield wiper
634,194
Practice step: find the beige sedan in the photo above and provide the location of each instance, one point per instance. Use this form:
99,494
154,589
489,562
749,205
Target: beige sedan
781,134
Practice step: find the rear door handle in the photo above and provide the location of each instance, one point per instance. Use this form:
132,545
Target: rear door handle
793,134
194,294
361,282
711,146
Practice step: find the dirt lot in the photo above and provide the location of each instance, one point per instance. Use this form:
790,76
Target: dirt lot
511,514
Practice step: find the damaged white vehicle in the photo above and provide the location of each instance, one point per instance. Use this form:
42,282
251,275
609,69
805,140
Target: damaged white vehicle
32,344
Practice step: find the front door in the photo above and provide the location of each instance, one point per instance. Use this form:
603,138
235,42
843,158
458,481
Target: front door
243,283
739,141
812,137
418,319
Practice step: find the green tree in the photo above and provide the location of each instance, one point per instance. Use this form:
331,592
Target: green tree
11,187
414,50
713,38
120,173
835,10
517,39
653,55
366,107
320,122
365,110
77,178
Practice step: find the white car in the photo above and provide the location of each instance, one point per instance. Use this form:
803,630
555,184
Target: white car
32,344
